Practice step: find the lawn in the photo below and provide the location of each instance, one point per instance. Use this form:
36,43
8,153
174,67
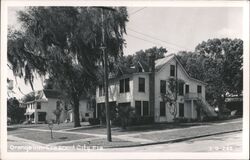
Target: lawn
191,132
102,142
61,126
134,129
45,137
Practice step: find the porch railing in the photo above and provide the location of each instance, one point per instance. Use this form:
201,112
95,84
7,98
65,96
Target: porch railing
192,96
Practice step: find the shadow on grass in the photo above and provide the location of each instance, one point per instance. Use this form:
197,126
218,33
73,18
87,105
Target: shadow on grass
138,128
154,127
11,128
63,138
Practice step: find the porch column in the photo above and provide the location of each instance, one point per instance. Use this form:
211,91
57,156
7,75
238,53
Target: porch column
192,108
96,111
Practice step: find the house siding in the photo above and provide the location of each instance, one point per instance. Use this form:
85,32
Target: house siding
140,96
48,105
164,74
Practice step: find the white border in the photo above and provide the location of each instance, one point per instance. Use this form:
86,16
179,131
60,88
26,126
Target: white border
125,155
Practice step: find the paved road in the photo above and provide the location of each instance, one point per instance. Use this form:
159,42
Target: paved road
230,142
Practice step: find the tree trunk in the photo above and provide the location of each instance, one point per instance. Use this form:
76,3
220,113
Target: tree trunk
76,112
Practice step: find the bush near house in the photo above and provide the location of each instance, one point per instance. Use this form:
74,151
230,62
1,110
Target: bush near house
181,120
14,112
94,121
210,119
142,120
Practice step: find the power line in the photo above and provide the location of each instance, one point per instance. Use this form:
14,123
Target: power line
137,11
177,46
150,41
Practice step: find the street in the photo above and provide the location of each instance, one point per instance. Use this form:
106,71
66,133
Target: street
230,142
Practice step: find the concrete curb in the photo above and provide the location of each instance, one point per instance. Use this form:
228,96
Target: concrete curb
175,140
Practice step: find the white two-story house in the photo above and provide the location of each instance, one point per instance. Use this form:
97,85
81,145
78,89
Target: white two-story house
142,87
41,107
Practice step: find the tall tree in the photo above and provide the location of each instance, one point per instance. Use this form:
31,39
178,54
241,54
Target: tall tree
64,43
217,62
143,54
227,54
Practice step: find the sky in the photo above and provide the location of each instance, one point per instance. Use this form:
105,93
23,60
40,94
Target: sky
174,28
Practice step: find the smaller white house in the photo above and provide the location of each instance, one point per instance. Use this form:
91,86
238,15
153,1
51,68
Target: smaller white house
41,106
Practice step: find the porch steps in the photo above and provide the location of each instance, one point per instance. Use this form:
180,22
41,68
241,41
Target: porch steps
207,108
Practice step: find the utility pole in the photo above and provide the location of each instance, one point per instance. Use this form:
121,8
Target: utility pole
106,81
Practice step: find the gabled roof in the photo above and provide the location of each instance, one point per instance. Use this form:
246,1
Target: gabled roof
127,70
46,93
161,62
144,65
41,95
52,93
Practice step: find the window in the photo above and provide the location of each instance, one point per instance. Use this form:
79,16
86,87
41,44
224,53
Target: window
181,89
162,109
139,69
124,85
101,91
38,106
138,108
141,84
145,108
199,89
181,110
127,85
187,88
163,86
86,114
172,70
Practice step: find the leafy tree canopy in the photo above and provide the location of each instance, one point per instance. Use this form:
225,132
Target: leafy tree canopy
64,43
217,62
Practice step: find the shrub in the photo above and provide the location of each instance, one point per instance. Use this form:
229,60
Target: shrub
142,120
116,121
210,119
15,112
83,120
193,120
94,121
181,120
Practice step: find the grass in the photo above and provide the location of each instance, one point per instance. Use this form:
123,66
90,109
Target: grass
191,132
45,137
134,129
61,126
102,142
